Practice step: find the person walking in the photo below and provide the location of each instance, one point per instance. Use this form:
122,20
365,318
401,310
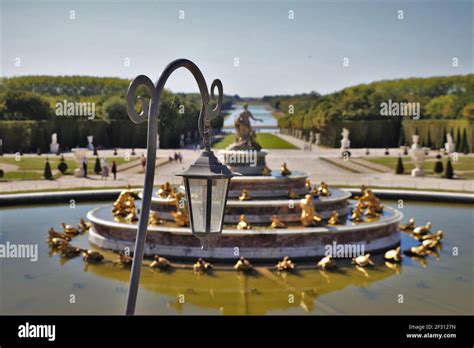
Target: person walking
114,169
105,169
84,166
143,161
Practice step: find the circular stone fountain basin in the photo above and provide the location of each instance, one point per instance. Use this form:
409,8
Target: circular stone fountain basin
274,185
257,243
260,211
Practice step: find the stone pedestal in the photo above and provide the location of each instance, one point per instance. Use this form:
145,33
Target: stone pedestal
53,148
418,156
245,162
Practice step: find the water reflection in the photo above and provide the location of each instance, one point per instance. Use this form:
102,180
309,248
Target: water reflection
260,292
439,283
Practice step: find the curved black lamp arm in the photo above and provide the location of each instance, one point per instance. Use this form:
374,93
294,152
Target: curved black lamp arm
150,112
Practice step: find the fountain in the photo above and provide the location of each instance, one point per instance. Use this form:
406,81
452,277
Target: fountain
282,213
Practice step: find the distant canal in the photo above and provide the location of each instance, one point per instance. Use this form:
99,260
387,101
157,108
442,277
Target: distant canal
269,124
440,284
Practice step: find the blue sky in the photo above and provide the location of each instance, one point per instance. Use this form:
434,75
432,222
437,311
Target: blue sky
276,55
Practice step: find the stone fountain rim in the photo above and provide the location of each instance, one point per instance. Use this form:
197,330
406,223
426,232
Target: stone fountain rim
271,202
397,217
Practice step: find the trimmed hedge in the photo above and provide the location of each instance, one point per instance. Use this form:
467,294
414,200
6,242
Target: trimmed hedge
29,136
387,132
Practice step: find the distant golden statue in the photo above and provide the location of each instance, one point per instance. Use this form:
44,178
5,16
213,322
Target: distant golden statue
357,215
323,190
284,170
334,218
181,216
245,196
309,217
277,223
370,200
125,204
165,190
243,224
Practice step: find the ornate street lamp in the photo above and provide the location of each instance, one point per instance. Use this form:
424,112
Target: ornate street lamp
206,181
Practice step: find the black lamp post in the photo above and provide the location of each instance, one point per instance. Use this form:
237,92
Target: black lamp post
206,181
207,184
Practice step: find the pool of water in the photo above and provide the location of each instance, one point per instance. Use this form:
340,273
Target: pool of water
258,111
439,285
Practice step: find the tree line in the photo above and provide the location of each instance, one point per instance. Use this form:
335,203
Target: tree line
35,98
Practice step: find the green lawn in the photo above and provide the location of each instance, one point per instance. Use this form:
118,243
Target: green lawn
31,168
463,163
266,140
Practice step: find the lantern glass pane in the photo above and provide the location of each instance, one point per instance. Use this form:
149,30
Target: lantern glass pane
219,191
198,194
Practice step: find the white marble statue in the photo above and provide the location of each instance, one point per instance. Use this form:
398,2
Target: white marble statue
345,142
418,156
54,146
318,139
90,139
449,145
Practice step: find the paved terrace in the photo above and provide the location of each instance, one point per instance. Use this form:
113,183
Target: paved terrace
321,164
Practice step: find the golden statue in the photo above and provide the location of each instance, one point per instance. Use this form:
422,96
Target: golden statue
357,215
154,220
360,204
334,218
55,234
132,216
285,265
420,250
124,204
244,196
307,184
327,262
323,190
123,260
160,262
309,217
164,190
243,224
276,223
69,229
284,170
92,256
84,225
202,266
181,216
265,170
422,230
363,260
371,212
409,226
292,194
393,255
370,200
243,265
438,236
173,193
